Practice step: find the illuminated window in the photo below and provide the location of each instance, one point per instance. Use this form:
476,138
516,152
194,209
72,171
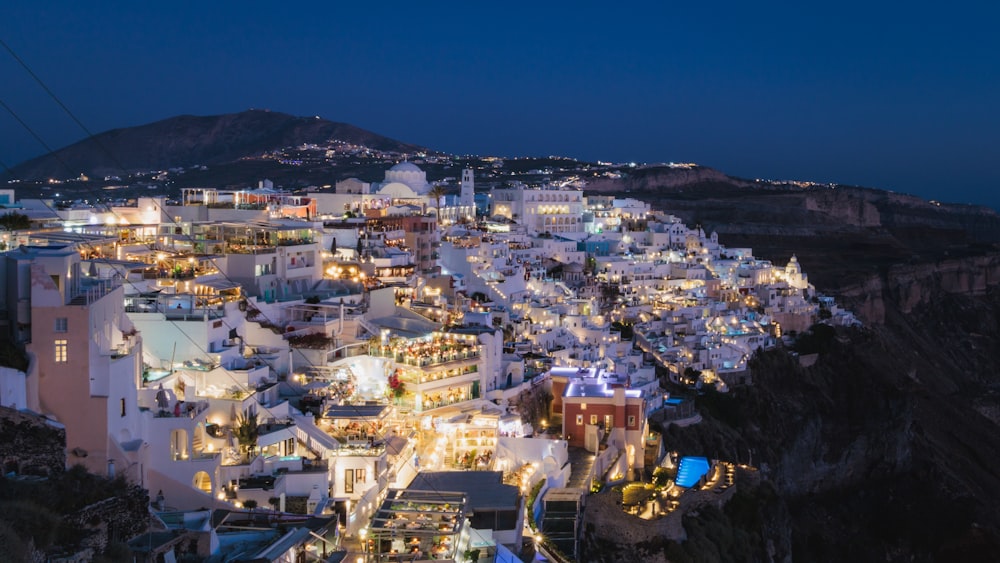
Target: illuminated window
61,349
593,419
359,475
62,324
579,420
631,420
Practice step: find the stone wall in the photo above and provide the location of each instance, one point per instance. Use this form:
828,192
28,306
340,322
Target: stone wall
114,519
30,445
610,534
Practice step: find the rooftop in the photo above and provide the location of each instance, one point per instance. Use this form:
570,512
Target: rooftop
484,489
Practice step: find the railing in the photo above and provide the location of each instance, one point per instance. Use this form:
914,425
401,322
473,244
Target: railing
93,289
122,350
425,361
190,410
250,249
294,242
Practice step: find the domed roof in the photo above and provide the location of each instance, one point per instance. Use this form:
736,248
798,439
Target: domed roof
406,166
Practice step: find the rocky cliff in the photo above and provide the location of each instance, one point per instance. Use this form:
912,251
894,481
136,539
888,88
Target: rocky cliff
909,286
49,513
887,448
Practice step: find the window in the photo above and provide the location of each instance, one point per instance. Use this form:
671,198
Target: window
583,406
349,481
593,419
579,420
62,324
123,406
61,349
631,420
360,475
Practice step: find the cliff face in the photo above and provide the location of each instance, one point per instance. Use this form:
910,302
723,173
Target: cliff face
661,178
908,286
844,207
885,449
888,447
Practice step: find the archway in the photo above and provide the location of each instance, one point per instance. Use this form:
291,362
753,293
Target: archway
202,482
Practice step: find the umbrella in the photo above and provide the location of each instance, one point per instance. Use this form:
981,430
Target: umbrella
318,384
162,400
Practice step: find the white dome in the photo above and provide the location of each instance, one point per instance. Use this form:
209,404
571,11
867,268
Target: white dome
406,166
410,174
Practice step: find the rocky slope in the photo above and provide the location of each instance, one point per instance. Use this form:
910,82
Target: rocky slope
888,447
49,513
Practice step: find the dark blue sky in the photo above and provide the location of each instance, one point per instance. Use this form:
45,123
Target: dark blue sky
901,98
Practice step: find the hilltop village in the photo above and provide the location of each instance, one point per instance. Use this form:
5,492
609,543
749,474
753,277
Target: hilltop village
385,371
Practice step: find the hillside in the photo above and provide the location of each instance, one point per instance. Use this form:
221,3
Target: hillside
841,235
886,448
189,140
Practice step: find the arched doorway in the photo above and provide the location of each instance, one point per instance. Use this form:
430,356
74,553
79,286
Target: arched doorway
202,482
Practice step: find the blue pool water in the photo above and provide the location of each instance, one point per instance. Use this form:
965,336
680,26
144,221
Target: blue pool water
674,401
690,470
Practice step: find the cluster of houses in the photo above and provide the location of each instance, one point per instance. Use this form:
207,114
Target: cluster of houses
372,364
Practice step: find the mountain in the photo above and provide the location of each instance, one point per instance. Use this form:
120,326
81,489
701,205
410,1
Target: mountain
189,140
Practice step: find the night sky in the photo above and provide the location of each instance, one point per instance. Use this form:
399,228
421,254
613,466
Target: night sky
902,98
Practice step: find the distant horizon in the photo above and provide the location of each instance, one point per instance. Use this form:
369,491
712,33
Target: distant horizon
853,94
995,206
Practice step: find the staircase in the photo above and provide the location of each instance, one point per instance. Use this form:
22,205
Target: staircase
581,464
197,444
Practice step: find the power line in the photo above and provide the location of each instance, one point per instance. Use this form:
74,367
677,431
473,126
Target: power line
162,211
32,132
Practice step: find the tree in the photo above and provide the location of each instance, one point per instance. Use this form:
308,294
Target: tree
246,431
437,192
15,221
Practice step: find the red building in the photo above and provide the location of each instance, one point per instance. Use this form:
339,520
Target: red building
596,404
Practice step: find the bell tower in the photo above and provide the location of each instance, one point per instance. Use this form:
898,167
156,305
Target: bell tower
467,197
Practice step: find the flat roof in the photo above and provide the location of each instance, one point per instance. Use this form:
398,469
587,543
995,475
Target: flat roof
355,411
484,489
573,494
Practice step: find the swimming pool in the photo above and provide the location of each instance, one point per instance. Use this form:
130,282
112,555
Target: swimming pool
690,470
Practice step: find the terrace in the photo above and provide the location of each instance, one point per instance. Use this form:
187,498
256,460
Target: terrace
437,349
417,525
